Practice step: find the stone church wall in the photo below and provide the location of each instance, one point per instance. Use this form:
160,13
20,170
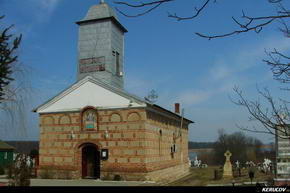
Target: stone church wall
137,151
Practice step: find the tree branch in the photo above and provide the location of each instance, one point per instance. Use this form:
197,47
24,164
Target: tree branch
154,4
257,28
273,120
198,11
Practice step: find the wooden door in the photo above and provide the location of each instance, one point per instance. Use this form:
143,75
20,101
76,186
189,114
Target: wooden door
90,162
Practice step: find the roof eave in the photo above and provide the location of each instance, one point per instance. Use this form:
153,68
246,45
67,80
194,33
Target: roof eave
103,19
172,113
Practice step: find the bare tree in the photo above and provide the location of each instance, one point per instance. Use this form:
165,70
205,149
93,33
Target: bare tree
274,117
8,57
245,24
233,142
15,86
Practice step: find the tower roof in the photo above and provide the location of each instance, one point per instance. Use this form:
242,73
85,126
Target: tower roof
102,11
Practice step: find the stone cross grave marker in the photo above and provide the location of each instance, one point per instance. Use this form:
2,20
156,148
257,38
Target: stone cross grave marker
228,171
228,155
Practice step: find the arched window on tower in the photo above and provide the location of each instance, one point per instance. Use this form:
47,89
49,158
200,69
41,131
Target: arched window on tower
118,70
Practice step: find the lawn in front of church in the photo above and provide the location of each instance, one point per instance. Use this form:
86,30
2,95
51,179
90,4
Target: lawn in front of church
205,177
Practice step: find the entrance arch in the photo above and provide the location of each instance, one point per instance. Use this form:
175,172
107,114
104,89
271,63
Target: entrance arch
90,161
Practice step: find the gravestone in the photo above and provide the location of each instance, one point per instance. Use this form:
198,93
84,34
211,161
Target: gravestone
238,168
228,171
237,164
266,165
196,162
199,163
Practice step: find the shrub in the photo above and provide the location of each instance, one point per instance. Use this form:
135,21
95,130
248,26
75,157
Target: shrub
117,178
19,172
106,177
64,174
47,174
270,181
218,174
2,172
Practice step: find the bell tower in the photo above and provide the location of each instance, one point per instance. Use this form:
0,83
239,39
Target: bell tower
101,46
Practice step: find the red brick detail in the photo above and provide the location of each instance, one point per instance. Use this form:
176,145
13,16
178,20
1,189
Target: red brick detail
64,115
45,117
110,115
131,113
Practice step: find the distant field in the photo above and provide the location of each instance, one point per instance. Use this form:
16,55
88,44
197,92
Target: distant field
202,150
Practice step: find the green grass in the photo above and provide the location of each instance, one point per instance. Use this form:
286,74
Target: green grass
205,176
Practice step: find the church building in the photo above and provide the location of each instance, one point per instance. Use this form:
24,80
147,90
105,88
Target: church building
96,129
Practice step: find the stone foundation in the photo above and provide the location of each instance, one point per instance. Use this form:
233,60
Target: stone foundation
168,174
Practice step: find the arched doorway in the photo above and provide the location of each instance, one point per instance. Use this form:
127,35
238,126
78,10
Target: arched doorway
90,161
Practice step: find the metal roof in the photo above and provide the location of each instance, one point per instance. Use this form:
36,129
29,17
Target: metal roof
5,146
100,11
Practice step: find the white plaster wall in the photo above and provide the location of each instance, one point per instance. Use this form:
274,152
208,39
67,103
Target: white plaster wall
88,94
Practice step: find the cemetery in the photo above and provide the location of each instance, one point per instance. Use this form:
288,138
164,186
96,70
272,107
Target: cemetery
230,174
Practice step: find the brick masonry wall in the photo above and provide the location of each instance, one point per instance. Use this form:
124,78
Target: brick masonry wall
136,149
159,160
